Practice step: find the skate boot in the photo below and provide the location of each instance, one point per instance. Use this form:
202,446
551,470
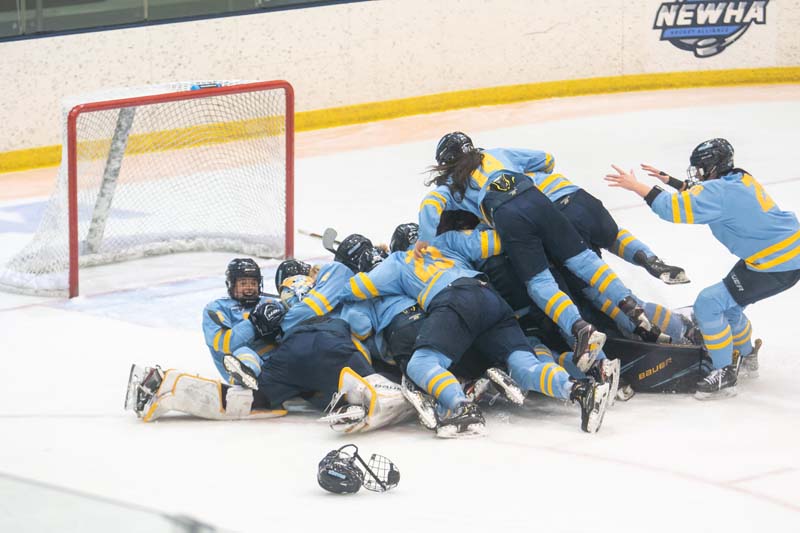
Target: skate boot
607,371
748,365
588,343
477,389
593,400
671,275
719,383
426,412
625,393
642,326
341,415
143,384
466,420
242,374
511,391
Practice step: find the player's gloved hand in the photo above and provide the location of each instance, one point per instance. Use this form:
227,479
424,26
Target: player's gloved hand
266,317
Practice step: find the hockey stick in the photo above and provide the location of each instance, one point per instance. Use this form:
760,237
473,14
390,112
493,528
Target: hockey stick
329,239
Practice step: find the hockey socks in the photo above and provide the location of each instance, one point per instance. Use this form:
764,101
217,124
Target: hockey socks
532,374
544,291
427,369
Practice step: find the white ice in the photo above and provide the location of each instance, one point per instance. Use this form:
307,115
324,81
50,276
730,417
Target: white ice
659,463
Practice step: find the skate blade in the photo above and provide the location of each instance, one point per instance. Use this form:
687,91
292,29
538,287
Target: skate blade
615,367
354,413
511,390
470,432
234,368
425,410
727,392
678,279
134,380
597,415
747,374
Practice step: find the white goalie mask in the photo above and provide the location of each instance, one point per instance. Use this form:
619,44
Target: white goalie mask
295,288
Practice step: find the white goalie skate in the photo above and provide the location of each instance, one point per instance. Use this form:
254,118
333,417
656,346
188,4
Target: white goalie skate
421,402
241,374
143,383
340,415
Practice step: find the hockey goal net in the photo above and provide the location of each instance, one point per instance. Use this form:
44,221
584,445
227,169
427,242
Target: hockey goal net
203,166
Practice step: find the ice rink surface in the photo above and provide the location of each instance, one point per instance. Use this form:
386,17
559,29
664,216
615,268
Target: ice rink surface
660,462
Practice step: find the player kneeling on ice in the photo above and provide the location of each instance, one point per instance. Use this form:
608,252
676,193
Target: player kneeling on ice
749,223
463,311
315,359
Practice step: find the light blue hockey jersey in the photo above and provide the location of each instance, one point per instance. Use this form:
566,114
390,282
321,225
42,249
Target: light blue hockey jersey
227,328
448,258
496,161
742,216
323,299
370,317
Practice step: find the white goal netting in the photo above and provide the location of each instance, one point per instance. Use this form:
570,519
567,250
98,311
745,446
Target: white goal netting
154,177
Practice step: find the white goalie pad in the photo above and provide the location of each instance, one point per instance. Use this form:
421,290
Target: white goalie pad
381,403
202,397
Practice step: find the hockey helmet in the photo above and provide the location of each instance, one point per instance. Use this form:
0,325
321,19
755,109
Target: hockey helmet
289,268
451,146
710,159
295,288
338,473
358,253
404,237
240,268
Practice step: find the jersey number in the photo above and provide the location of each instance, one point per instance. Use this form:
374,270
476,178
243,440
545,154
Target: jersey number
424,272
763,198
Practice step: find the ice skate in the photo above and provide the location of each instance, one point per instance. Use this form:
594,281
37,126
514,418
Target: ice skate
625,393
642,326
748,365
341,415
426,412
588,343
464,421
671,275
143,383
477,389
607,371
511,391
593,400
718,384
241,374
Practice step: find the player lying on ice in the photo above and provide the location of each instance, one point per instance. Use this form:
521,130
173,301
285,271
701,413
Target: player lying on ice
744,218
267,345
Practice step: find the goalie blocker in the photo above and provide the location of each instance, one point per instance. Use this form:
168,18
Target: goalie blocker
648,367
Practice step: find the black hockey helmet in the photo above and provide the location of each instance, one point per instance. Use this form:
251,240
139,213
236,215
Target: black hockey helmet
358,253
451,146
243,267
710,159
338,473
456,220
404,237
289,268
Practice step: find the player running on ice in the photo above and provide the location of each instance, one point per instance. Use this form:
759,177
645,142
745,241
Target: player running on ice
744,218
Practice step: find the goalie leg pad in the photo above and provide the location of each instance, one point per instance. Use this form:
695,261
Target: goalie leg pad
382,401
202,397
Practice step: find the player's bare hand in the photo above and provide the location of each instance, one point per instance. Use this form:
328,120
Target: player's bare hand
419,247
625,180
655,173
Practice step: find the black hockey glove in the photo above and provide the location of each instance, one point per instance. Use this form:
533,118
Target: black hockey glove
266,317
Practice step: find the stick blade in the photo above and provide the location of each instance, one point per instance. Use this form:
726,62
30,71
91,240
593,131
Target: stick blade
329,240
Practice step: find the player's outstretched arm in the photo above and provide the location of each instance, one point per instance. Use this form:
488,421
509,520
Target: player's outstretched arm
628,181
665,178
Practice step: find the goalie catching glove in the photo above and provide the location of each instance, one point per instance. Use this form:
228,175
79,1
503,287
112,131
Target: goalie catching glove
266,317
339,473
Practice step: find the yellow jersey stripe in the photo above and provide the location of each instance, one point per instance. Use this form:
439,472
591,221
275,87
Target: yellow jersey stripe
443,385
436,379
438,196
665,322
226,341
497,244
719,345
216,339
427,291
360,348
543,376
774,248
313,305
550,382
368,284
561,185
676,210
778,260
433,203
357,290
622,233
611,277
744,332
597,275
742,341
687,207
605,306
657,314
550,179
548,162
221,317
562,357
321,297
614,312
484,245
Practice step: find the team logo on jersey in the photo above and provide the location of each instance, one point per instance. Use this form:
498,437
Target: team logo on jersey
707,28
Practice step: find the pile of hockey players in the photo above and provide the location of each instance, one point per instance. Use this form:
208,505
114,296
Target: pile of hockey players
484,298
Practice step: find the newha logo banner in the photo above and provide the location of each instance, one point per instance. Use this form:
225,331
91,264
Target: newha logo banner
707,28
